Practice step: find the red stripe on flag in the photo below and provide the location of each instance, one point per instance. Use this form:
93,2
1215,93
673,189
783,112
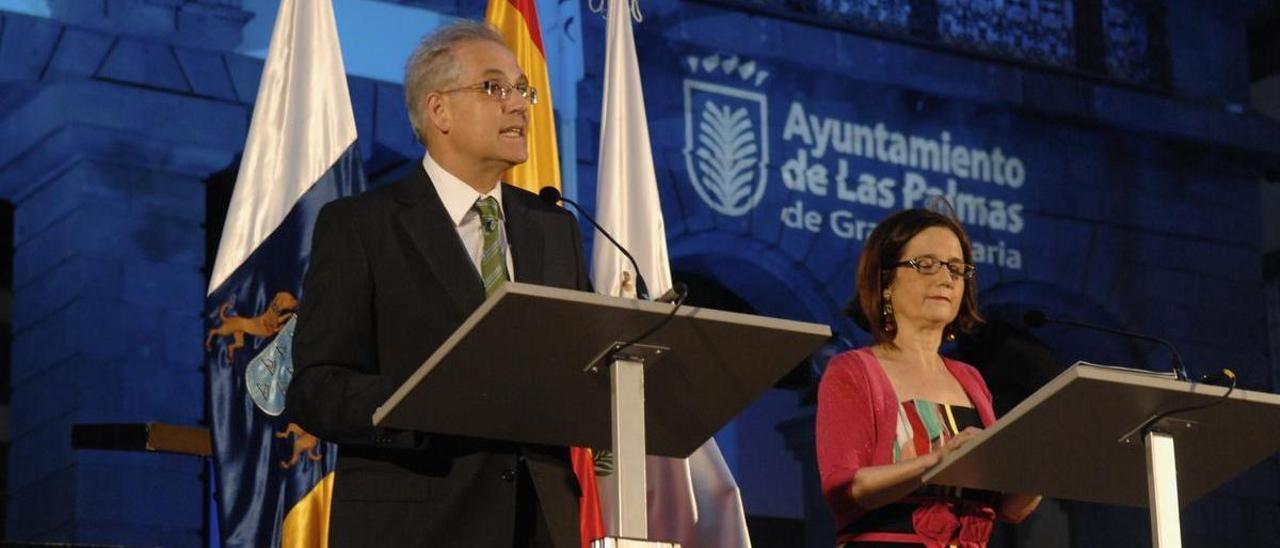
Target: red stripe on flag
590,522
529,11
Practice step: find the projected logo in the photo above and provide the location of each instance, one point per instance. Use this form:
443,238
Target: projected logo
268,373
726,126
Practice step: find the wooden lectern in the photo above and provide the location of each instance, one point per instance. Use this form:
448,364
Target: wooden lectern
1090,435
562,375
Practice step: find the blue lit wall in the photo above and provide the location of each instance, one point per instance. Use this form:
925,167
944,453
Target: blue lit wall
105,140
1123,193
1128,199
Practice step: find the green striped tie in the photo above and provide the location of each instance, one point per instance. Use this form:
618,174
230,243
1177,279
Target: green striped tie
493,261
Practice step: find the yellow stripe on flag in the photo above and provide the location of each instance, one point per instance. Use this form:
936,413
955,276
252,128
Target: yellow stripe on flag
543,167
307,523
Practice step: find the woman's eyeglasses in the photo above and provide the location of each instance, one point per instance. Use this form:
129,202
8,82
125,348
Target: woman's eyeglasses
929,265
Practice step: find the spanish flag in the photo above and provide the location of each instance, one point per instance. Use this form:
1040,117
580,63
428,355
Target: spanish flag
517,21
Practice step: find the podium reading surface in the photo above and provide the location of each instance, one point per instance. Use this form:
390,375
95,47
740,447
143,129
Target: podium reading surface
518,370
1065,440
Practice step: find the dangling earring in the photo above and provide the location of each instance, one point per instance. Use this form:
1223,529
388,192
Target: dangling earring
949,333
886,313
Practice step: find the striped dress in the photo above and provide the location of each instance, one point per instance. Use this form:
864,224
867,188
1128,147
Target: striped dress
922,427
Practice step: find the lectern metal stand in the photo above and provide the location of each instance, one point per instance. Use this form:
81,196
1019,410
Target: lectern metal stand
627,414
626,365
1089,435
1158,439
565,379
626,382
1162,484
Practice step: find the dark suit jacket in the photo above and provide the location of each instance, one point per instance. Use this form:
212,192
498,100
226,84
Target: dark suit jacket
389,281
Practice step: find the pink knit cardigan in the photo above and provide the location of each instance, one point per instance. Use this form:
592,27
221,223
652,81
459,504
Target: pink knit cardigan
858,419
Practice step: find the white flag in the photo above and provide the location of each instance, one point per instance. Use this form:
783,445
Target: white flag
302,125
693,501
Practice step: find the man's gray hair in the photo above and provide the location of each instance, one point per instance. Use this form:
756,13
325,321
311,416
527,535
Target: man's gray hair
433,66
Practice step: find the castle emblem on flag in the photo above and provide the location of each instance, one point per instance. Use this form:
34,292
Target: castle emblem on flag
726,147
267,375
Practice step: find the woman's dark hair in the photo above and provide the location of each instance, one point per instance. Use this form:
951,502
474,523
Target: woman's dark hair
884,247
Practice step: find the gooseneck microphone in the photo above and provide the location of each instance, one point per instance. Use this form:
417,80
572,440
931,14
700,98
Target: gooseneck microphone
551,195
1037,318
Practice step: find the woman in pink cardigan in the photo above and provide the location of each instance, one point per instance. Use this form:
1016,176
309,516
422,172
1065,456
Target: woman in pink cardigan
889,412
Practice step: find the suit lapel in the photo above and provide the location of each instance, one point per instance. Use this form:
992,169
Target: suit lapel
525,237
428,226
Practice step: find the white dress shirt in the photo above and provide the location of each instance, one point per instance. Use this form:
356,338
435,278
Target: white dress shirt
459,198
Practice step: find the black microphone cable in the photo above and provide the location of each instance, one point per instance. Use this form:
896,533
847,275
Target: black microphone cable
551,195
1226,375
678,292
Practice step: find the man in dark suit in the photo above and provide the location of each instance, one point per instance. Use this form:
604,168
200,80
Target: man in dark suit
393,273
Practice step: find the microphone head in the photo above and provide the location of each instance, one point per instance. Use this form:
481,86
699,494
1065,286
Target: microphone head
550,195
1035,318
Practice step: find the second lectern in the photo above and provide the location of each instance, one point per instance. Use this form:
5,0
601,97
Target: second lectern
567,373
1120,436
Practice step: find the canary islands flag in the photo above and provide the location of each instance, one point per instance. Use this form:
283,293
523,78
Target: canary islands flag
274,480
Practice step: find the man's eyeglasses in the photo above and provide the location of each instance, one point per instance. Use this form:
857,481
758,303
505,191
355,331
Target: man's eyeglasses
494,88
929,266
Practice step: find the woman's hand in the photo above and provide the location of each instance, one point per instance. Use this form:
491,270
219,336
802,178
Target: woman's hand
951,444
875,486
957,441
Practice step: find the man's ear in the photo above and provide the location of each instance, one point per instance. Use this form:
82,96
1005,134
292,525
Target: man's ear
438,112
